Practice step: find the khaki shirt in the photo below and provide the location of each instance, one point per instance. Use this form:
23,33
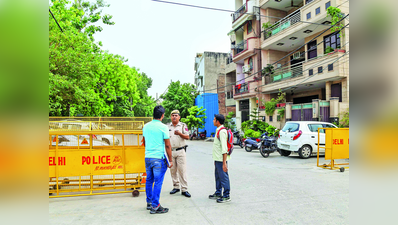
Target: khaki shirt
175,140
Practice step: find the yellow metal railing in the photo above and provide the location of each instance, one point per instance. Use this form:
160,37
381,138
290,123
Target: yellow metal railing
98,119
63,125
95,157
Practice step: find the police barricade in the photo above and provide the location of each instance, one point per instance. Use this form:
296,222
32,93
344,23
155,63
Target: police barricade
92,158
336,142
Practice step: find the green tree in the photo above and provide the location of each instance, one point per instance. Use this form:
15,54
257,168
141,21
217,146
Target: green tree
83,78
229,123
196,118
179,96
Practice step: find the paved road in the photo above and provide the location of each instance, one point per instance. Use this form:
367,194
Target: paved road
273,190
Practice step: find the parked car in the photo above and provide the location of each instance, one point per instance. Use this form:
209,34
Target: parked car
302,137
81,140
78,125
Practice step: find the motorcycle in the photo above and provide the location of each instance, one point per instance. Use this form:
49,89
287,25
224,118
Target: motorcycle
253,143
268,145
239,139
202,135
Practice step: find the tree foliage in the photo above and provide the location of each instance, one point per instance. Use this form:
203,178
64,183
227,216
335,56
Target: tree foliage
179,96
229,123
196,118
83,78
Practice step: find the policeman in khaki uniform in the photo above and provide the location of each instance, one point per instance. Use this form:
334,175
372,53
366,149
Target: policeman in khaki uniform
178,134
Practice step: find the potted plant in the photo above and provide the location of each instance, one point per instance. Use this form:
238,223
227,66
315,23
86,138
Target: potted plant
329,50
212,134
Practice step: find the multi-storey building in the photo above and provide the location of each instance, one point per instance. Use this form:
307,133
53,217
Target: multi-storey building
208,66
226,102
310,63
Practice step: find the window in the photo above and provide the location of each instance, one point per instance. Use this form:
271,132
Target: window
251,63
312,51
327,5
249,27
330,67
317,10
314,128
291,127
270,118
230,94
332,40
328,125
320,69
308,15
311,72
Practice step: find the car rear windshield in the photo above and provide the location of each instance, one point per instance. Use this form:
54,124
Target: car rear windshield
291,127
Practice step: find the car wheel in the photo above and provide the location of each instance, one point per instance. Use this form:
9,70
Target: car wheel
248,149
305,151
263,152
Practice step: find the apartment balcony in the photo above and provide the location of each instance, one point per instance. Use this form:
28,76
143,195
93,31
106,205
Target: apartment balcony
245,90
282,24
309,74
295,27
242,14
288,72
240,47
245,49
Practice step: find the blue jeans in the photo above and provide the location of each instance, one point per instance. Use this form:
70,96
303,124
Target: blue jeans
222,180
155,170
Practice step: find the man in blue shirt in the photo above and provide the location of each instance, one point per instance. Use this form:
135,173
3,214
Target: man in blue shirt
157,143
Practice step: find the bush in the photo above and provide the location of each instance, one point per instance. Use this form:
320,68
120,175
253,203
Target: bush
252,133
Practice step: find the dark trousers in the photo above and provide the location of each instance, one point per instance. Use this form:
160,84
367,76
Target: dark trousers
222,180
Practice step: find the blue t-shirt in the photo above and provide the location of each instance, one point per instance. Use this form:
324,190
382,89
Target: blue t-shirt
154,133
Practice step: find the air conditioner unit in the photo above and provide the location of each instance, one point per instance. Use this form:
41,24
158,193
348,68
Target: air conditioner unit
245,69
297,55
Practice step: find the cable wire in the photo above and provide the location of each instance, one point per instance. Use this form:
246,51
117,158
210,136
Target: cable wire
279,59
226,10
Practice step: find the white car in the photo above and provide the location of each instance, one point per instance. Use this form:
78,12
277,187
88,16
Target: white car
79,125
302,137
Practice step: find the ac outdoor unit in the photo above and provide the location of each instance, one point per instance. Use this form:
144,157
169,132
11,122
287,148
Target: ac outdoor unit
297,55
245,69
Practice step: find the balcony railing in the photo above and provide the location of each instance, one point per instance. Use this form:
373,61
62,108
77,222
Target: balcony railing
242,10
229,60
294,70
242,88
308,1
283,24
240,47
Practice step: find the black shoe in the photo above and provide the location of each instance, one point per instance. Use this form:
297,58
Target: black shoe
214,196
223,199
148,206
160,209
186,194
175,190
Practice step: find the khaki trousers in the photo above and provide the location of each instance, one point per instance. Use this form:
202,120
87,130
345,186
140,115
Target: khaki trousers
179,170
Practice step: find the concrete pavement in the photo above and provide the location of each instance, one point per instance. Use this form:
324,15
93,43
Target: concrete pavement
273,190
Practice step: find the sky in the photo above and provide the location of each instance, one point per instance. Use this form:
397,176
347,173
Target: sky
162,39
